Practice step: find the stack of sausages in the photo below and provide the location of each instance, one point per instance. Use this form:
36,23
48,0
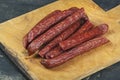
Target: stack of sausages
62,35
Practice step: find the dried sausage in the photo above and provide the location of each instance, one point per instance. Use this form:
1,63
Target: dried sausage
46,23
54,52
54,31
78,39
25,39
57,50
85,27
59,38
80,49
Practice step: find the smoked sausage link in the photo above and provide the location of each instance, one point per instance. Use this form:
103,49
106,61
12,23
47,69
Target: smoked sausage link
57,50
85,27
25,39
80,49
46,23
59,38
54,31
54,52
78,39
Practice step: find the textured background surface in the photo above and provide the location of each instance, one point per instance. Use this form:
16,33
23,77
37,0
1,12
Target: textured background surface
13,8
107,4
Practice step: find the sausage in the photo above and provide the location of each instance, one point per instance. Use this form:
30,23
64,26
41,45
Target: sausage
25,39
57,50
53,52
46,23
78,39
59,38
54,31
85,27
80,49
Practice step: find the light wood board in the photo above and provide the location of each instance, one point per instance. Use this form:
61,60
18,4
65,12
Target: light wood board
12,32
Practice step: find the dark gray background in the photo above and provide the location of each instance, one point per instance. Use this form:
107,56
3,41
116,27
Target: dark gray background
13,8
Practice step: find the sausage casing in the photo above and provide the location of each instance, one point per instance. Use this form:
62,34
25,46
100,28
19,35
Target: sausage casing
32,33
59,38
54,31
80,49
46,23
57,50
80,38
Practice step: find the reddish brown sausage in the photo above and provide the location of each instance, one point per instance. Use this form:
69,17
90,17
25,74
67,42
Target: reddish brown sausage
53,52
78,39
54,31
49,63
46,23
85,27
25,39
59,38
56,51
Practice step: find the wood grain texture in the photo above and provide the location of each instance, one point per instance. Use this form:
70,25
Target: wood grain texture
12,32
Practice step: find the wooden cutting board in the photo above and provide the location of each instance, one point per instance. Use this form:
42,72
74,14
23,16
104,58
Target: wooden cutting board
12,32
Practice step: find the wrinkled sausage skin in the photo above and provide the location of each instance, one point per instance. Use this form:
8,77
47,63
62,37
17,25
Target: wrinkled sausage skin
78,39
80,49
57,50
59,38
54,31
